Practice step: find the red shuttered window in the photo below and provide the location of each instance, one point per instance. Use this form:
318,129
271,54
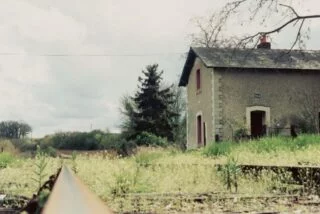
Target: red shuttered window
198,79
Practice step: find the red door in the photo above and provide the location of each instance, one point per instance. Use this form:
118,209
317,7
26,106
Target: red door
204,134
257,126
199,129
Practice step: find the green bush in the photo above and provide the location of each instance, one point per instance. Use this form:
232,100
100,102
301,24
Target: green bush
49,151
109,140
218,149
6,159
24,145
72,140
148,139
95,140
122,146
240,133
125,148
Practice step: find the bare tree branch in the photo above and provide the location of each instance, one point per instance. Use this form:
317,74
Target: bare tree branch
298,36
211,31
291,8
278,29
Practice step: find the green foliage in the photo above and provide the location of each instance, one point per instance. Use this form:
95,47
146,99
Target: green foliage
24,145
75,140
268,145
263,145
153,113
74,163
122,146
49,151
127,111
129,181
43,197
218,149
6,159
40,167
146,158
240,133
230,173
180,119
274,144
109,140
304,123
93,140
152,107
123,183
149,139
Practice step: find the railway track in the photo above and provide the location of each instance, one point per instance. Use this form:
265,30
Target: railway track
62,193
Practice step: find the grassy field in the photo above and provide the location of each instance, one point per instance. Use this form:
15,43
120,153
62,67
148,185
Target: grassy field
168,173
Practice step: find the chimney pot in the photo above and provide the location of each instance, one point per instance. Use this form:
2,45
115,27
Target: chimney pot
263,39
263,43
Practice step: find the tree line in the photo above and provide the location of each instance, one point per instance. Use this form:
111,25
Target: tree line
14,129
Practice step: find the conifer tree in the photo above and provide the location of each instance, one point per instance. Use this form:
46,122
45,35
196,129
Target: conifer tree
153,113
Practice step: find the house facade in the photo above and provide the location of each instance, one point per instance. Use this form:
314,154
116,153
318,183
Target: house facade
258,91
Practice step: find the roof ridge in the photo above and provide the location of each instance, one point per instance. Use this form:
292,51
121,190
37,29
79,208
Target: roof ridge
256,49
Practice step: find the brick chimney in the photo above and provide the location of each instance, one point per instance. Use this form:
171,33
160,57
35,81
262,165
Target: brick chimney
263,43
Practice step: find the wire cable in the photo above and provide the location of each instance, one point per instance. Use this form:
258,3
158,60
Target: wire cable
89,55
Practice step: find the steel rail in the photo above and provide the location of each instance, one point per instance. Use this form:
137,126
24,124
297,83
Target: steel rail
70,195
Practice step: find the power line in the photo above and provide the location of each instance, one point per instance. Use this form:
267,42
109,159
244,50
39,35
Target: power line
90,55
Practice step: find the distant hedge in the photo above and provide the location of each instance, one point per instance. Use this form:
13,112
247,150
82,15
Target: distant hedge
93,140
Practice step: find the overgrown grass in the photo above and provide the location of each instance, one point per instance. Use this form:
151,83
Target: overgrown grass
6,159
263,145
218,149
274,144
7,146
159,170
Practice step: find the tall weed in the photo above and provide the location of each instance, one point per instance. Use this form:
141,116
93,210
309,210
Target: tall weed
230,173
40,167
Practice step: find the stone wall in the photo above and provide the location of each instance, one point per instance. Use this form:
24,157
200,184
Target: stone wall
199,103
283,92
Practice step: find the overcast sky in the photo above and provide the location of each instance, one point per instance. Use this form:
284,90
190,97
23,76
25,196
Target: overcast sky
73,93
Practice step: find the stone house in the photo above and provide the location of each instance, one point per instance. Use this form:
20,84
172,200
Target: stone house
257,91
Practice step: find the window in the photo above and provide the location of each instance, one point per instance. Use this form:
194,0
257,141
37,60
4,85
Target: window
198,79
257,95
199,129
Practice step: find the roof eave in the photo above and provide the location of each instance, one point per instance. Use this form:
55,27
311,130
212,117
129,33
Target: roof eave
269,68
184,79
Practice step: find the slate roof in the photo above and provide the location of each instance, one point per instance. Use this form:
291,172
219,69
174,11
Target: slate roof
251,58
